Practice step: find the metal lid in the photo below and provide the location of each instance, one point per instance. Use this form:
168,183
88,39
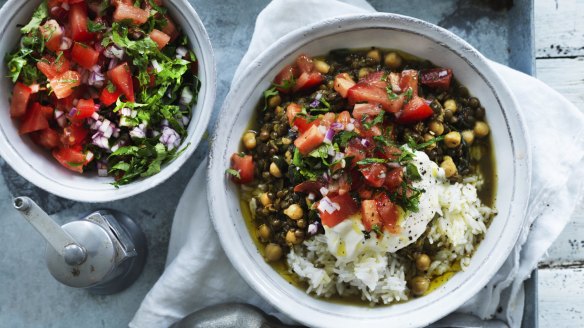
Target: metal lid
99,250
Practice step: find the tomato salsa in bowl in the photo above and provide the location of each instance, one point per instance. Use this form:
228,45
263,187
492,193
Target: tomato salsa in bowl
105,99
257,229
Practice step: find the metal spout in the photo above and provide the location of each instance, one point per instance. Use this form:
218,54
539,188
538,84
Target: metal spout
59,239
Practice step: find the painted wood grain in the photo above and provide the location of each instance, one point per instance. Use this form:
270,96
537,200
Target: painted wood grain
559,28
565,75
561,298
568,250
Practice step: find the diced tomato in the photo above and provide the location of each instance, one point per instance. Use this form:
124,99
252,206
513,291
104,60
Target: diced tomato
47,138
394,179
117,2
308,187
344,118
375,79
301,123
56,11
361,92
64,104
245,166
409,79
85,108
370,215
170,28
328,119
291,111
52,34
136,15
343,82
355,150
51,68
307,81
374,174
108,98
339,186
309,140
371,110
70,158
348,207
84,55
160,38
414,111
78,23
388,213
285,80
63,84
20,96
394,79
48,112
121,77
74,135
305,64
437,78
33,120
391,153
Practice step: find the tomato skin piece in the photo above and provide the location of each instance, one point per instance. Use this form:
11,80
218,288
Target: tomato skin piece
374,174
309,140
245,166
47,138
33,120
307,81
355,150
160,38
394,179
78,23
109,98
51,68
348,208
308,187
343,82
304,64
84,55
85,108
388,212
409,79
63,84
414,111
284,80
136,15
437,78
362,92
74,135
70,158
121,77
19,102
52,33
370,215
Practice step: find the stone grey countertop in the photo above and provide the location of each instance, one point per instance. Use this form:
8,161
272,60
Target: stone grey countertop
30,297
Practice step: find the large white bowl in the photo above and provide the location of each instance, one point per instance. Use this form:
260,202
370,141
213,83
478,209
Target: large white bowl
426,41
37,165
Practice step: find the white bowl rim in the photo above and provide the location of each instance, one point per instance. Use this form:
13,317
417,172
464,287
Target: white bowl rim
265,286
23,168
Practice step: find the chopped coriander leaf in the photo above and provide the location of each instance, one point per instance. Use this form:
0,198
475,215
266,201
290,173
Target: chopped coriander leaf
286,84
371,161
38,16
408,94
233,173
95,27
269,93
343,137
412,172
429,142
390,94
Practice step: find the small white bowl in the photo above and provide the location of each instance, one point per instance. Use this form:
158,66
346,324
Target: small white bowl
425,41
38,166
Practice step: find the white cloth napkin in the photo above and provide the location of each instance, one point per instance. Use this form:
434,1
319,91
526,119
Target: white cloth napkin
199,274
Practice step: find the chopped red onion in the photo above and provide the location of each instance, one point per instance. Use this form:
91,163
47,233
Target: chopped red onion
109,131
102,169
337,126
137,132
73,112
116,133
313,228
104,125
314,103
126,111
428,102
113,52
113,63
322,129
326,205
96,79
115,147
95,116
311,196
65,6
350,127
156,66
101,142
170,138
65,43
89,156
323,191
181,52
60,117
365,142
186,96
328,137
34,88
185,120
96,68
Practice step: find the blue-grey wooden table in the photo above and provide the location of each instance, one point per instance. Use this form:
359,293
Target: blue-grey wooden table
30,297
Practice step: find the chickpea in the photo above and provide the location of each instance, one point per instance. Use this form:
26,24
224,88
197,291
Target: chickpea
274,101
249,140
275,170
279,110
420,285
264,232
448,166
264,135
301,223
423,262
291,238
273,252
294,212
468,136
450,105
481,129
265,199
452,139
321,66
393,60
436,127
375,55
428,137
364,72
286,141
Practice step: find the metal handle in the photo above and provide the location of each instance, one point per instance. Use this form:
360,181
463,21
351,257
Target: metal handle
58,238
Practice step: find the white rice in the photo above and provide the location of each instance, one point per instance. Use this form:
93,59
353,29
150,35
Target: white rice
378,275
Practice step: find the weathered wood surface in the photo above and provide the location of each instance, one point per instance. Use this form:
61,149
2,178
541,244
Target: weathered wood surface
559,41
